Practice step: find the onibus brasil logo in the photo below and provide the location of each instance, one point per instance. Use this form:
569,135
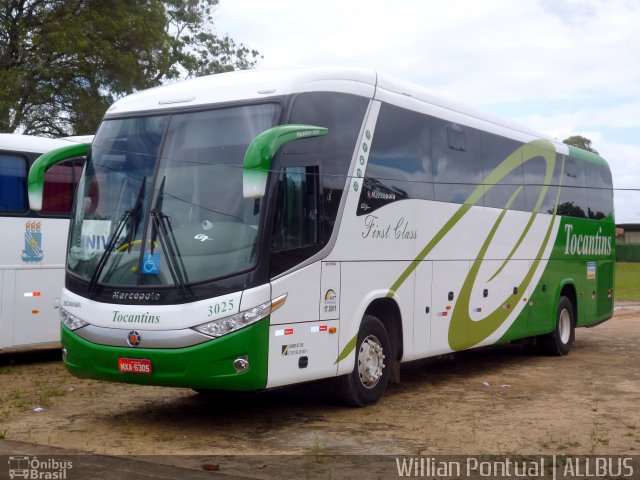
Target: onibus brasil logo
25,466
32,243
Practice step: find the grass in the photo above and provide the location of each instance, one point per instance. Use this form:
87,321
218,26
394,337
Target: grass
627,281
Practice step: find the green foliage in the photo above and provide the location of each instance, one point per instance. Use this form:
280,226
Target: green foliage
580,142
63,62
627,285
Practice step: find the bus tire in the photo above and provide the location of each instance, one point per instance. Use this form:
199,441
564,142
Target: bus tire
368,380
560,341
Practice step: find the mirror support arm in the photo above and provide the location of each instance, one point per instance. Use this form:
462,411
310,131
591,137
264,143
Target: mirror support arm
35,179
260,153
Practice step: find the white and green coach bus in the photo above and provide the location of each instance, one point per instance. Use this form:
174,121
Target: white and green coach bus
251,230
32,258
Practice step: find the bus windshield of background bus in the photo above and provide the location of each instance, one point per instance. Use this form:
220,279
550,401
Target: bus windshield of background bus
189,222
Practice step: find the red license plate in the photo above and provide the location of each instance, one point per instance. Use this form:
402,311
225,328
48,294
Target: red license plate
134,365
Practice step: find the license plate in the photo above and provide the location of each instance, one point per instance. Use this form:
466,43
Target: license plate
134,365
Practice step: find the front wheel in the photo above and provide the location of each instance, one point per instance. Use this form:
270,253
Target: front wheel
368,380
560,341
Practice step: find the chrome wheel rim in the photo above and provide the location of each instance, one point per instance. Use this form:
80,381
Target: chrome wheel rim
564,326
370,361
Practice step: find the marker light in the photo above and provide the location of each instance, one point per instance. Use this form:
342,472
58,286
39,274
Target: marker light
71,321
222,326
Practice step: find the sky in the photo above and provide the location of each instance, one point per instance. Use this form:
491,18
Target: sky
561,67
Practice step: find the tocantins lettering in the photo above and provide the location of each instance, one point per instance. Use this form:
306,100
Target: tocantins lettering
578,244
399,230
120,317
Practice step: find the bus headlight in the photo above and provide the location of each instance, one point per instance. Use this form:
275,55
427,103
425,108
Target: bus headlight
71,321
222,326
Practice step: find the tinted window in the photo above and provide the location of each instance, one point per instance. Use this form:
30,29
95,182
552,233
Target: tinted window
400,160
599,191
343,115
535,169
573,194
296,227
495,150
456,161
60,182
13,173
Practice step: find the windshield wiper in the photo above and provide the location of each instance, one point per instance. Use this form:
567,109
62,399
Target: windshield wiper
161,228
132,214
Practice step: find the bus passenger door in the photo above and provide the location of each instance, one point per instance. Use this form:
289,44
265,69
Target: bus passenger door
303,344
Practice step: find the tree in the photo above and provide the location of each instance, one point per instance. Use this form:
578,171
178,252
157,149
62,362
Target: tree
580,142
63,62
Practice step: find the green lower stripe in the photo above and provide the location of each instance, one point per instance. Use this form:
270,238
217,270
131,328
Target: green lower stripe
208,365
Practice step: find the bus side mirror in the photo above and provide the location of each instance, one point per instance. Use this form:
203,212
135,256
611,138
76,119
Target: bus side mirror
35,179
260,153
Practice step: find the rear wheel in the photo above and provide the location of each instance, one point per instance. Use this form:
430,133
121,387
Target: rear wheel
560,341
368,380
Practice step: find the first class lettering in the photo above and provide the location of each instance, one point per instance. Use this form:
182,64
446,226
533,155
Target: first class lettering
397,230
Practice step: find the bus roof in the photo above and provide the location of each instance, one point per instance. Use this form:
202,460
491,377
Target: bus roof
33,144
261,84
247,85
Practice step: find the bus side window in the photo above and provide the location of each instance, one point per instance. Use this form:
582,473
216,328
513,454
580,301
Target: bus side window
573,194
60,182
495,149
456,161
13,178
342,114
599,196
399,164
296,233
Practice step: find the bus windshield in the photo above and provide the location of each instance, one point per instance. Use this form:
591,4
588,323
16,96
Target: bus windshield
160,201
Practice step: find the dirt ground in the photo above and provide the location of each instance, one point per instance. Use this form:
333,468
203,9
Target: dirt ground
501,400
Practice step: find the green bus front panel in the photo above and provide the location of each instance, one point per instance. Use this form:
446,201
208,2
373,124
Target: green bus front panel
208,365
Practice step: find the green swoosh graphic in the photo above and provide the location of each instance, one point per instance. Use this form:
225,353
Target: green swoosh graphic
348,348
464,332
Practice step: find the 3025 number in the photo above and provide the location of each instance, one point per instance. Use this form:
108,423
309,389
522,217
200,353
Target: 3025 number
221,307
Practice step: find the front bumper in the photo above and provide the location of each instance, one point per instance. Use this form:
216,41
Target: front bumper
207,365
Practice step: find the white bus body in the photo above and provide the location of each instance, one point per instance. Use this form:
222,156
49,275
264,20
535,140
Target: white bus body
33,248
370,223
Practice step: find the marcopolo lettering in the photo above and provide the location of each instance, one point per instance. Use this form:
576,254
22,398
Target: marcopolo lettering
586,244
120,317
381,195
140,296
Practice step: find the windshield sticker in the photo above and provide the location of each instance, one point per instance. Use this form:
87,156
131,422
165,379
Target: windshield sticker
202,237
95,235
151,264
32,243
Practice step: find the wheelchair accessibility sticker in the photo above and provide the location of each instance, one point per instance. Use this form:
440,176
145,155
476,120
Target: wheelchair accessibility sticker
32,243
151,263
